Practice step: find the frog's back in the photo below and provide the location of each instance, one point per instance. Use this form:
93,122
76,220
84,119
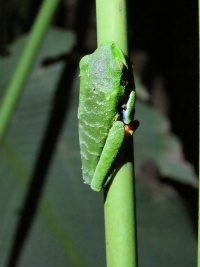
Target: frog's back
98,104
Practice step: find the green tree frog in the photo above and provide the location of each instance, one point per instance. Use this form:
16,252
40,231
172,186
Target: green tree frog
106,110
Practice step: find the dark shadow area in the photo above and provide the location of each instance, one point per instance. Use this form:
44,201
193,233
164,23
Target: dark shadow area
189,196
57,118
168,33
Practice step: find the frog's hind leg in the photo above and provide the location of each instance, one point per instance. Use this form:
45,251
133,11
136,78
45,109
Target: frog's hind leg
109,153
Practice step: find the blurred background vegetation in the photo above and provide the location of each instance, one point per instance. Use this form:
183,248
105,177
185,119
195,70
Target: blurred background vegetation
48,217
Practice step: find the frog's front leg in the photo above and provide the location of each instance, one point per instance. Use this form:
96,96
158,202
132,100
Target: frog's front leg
108,155
128,109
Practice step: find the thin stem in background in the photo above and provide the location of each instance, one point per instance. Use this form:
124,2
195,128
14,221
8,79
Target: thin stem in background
119,208
199,151
26,60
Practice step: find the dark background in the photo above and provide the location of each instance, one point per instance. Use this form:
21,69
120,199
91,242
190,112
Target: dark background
168,32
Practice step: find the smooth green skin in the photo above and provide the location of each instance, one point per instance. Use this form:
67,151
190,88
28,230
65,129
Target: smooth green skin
103,91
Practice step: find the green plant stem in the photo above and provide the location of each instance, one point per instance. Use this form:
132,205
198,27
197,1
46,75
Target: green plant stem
119,206
198,260
111,22
20,75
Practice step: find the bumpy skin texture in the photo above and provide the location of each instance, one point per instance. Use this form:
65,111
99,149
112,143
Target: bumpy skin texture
103,91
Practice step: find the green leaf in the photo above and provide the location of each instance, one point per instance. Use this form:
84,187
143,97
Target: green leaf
155,142
56,43
22,143
165,236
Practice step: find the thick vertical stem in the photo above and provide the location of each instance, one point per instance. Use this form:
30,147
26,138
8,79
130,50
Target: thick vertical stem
119,208
199,151
24,66
111,22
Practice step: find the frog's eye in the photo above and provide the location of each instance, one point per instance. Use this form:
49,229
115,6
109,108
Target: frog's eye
123,81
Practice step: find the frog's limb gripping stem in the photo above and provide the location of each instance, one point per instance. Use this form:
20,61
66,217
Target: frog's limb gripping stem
109,153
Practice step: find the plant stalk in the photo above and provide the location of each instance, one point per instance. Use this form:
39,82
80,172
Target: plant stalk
198,254
23,68
119,206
